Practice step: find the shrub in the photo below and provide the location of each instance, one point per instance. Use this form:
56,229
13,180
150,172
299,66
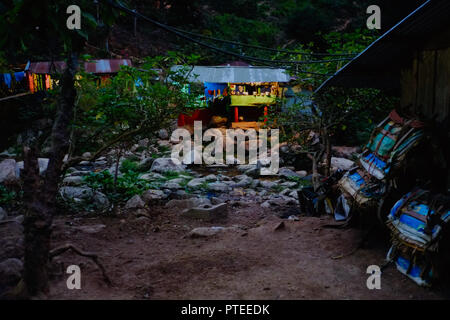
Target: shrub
125,187
6,196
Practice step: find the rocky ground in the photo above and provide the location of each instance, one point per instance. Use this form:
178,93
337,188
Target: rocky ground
199,232
249,254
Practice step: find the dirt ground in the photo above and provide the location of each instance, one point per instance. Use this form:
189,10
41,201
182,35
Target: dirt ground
152,258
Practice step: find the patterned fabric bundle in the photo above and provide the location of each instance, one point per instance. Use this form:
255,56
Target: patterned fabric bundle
386,151
415,265
418,222
389,144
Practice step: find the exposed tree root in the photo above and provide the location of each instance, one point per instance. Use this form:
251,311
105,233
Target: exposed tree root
9,221
346,254
60,250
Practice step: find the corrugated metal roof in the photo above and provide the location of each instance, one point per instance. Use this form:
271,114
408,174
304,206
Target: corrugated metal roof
46,66
94,66
226,74
237,63
106,66
379,65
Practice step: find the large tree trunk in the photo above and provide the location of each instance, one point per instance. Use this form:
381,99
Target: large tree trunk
40,194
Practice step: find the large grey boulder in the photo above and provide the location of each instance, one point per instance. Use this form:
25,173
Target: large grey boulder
294,194
7,153
253,172
76,194
219,186
245,167
75,172
288,173
86,155
265,204
167,164
267,184
3,214
302,173
285,192
255,183
100,163
263,162
73,181
204,232
152,176
153,195
196,183
289,184
171,185
182,204
84,198
43,164
145,164
244,181
231,160
135,203
8,171
211,178
206,212
101,201
10,271
143,142
163,134
342,163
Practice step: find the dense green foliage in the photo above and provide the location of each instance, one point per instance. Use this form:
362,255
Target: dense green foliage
136,102
7,195
126,186
273,23
346,116
47,38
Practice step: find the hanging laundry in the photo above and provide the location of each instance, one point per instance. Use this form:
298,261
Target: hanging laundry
19,76
48,82
7,78
30,82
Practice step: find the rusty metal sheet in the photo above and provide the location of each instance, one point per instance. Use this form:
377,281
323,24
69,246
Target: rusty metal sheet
95,66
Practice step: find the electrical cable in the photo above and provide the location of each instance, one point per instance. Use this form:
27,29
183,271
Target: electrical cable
266,48
226,52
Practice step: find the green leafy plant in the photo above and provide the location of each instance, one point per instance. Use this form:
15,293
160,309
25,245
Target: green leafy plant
7,196
129,166
278,188
135,102
169,174
163,149
299,181
126,186
335,115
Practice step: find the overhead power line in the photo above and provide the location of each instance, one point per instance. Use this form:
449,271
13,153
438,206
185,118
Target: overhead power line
266,48
226,52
